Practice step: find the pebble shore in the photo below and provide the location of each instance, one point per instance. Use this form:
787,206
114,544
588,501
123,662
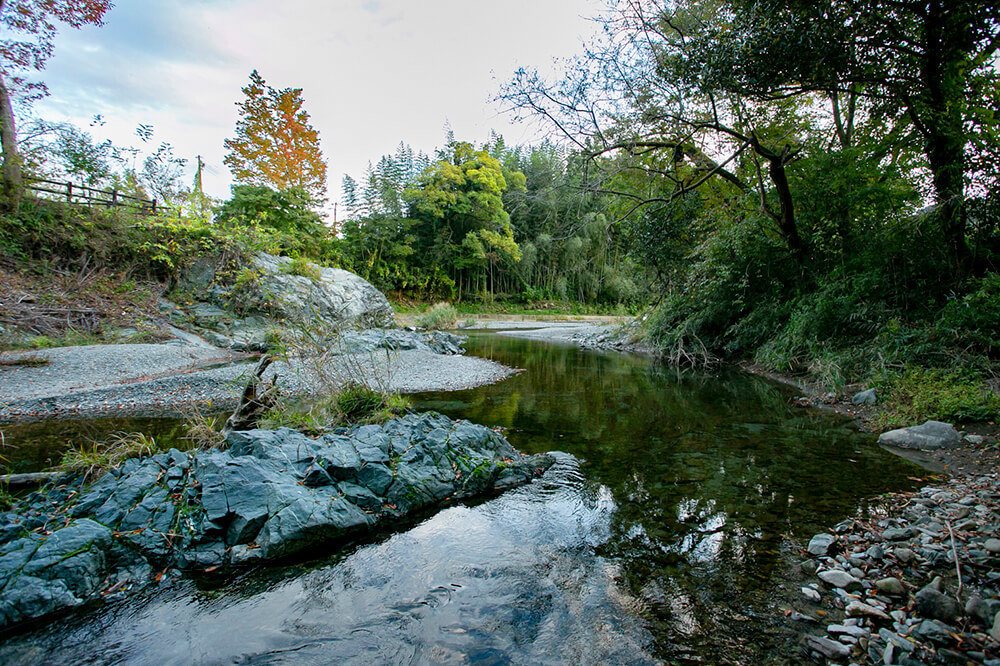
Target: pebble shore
918,586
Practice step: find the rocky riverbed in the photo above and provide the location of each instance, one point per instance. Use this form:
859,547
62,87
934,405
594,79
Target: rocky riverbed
919,585
270,495
171,378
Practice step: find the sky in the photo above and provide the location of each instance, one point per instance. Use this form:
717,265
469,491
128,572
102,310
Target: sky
373,72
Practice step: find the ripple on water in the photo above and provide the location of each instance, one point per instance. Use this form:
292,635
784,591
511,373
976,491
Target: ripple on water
661,539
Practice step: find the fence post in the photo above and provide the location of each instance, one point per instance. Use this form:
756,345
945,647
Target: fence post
154,206
69,192
114,197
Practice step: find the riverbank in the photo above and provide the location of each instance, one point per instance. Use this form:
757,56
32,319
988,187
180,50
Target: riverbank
170,379
917,581
914,581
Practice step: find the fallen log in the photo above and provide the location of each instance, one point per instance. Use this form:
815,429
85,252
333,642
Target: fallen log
27,480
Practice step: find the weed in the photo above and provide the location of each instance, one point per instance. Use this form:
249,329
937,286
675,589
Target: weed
94,460
918,394
303,267
438,316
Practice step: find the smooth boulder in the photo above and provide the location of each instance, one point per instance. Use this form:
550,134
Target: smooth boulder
331,295
926,437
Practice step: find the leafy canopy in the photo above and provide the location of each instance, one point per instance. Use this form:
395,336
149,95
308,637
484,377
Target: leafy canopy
275,145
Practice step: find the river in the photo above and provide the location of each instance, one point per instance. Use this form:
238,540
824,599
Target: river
668,535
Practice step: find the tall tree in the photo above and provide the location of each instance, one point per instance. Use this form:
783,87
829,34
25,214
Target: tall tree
927,64
29,27
275,145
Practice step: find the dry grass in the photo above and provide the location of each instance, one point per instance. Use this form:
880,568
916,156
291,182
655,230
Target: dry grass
94,460
55,306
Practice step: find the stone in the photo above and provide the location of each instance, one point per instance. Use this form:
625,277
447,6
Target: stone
898,533
891,586
869,397
933,630
820,544
860,609
827,648
995,629
811,594
931,602
272,494
904,555
841,579
330,295
848,629
975,440
928,436
992,545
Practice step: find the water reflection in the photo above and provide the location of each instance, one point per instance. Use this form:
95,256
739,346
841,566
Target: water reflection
709,473
663,544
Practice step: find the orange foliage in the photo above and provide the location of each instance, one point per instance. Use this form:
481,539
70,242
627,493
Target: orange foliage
274,144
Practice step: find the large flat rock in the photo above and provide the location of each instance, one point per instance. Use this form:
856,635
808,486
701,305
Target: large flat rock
272,494
928,436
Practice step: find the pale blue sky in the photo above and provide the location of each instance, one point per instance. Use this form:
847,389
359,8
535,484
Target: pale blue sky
374,72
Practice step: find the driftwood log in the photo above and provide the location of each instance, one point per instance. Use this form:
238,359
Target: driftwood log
28,480
258,398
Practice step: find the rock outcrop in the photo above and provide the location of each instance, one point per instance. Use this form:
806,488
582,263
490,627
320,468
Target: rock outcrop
277,290
330,295
270,495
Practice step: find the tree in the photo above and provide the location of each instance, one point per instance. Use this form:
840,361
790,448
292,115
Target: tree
926,64
461,197
285,210
275,146
30,27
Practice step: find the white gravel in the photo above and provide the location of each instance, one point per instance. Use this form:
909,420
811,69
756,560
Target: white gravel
168,379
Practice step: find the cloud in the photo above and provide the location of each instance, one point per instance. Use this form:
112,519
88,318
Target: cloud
373,72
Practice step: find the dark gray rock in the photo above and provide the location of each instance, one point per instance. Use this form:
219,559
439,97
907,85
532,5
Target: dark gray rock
272,494
891,586
931,602
869,397
927,437
43,574
820,544
439,342
827,648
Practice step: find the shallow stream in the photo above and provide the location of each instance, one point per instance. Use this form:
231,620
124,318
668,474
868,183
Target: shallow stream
669,541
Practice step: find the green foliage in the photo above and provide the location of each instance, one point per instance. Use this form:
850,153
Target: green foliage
289,211
438,316
351,404
304,268
486,224
918,394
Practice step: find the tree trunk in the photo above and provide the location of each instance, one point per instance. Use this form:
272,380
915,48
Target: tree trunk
11,187
942,74
786,216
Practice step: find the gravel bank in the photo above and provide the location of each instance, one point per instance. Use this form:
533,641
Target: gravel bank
919,586
132,380
612,337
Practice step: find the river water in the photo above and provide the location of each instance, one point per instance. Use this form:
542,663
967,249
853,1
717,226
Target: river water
666,535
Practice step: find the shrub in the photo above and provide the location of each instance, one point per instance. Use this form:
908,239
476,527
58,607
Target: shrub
438,316
918,394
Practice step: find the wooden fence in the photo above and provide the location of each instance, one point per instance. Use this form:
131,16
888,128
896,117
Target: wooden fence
85,195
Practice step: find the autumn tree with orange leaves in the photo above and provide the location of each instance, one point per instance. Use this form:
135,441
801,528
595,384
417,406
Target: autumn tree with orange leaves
275,146
28,28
